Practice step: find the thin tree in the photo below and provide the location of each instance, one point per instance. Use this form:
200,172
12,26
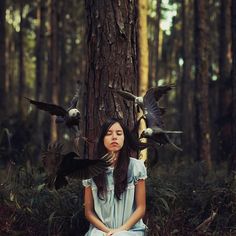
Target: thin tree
112,62
143,55
186,82
3,93
21,86
233,155
202,80
225,92
157,41
40,50
52,78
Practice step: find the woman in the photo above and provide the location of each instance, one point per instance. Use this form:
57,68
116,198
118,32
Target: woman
115,201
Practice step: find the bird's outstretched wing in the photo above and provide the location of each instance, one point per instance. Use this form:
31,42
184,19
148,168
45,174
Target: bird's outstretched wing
51,108
83,168
126,95
152,112
162,90
74,100
51,158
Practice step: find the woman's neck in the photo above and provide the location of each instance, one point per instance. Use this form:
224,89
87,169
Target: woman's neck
114,158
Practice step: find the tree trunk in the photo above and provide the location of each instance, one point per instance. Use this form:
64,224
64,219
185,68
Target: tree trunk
157,32
186,95
53,66
40,49
202,80
112,63
21,88
225,91
233,155
3,93
142,58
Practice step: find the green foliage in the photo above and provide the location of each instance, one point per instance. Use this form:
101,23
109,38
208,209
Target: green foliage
179,202
32,209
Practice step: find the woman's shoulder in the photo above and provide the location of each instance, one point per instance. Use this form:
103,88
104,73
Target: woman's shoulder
137,169
135,162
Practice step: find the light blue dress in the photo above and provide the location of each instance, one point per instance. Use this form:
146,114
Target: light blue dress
112,212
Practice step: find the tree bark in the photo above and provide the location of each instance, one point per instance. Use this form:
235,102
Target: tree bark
40,48
186,95
21,88
225,91
142,58
202,80
112,62
3,93
233,155
52,79
157,32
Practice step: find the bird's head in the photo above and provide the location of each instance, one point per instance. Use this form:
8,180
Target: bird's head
146,133
74,113
139,100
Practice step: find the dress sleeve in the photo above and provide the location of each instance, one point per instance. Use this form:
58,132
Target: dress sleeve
87,182
140,171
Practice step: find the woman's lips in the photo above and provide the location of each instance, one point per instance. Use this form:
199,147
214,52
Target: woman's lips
114,143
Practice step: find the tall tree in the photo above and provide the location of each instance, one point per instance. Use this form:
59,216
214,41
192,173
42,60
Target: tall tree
143,55
40,48
157,41
225,92
21,86
233,155
52,78
202,80
112,62
186,82
3,93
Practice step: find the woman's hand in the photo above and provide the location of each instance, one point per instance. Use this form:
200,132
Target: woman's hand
112,231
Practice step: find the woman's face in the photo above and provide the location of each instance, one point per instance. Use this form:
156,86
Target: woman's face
114,138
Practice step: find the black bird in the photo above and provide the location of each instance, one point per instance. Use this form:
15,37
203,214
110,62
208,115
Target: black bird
57,166
71,116
155,125
138,100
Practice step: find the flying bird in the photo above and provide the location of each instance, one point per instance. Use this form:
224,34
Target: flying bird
70,116
58,166
138,100
154,122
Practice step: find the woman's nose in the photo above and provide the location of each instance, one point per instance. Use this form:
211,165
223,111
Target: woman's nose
114,136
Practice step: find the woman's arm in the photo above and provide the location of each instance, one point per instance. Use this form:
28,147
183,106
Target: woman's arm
140,198
89,211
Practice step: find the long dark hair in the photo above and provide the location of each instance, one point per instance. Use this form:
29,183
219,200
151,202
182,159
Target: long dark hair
121,168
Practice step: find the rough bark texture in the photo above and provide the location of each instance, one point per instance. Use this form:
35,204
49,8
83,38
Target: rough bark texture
112,62
202,80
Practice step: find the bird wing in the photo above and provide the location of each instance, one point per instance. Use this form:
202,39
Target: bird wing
152,110
126,95
74,100
83,168
51,158
51,108
162,90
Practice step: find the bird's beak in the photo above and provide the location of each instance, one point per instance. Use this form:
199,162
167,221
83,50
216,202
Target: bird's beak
142,135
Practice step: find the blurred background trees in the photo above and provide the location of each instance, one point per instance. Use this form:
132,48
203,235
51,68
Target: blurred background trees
50,48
